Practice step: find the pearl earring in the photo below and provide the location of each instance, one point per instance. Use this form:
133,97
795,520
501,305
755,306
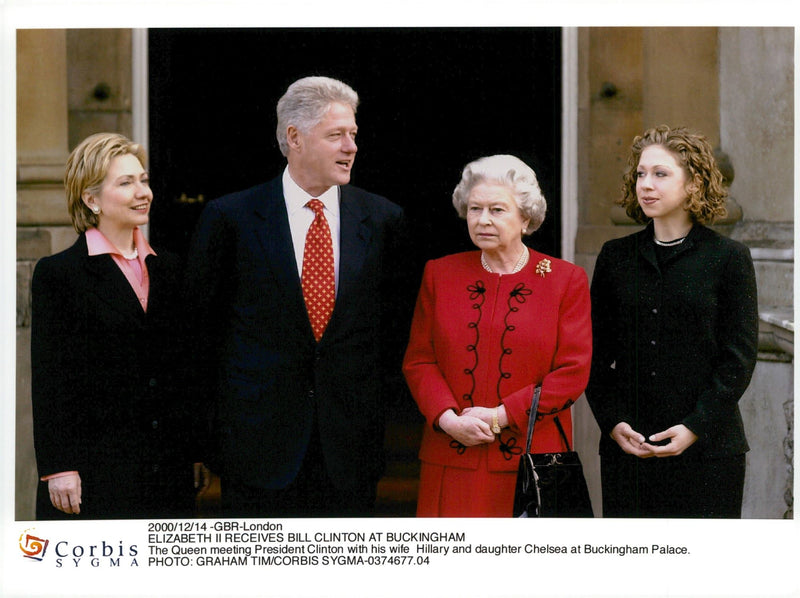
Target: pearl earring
96,209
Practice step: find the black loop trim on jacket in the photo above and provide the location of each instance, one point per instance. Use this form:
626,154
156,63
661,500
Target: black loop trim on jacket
569,403
460,448
518,294
509,448
477,293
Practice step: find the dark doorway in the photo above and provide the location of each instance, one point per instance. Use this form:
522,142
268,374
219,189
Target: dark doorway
432,99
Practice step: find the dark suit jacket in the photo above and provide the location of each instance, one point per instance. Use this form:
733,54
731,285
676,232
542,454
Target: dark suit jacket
105,392
270,382
675,342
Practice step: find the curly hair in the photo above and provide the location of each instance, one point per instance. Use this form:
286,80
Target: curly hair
705,192
511,172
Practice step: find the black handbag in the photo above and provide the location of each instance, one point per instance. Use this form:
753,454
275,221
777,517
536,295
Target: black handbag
550,484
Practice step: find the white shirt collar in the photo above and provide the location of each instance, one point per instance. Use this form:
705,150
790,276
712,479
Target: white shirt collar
296,198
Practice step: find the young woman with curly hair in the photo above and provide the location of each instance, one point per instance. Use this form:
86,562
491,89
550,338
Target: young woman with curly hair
675,326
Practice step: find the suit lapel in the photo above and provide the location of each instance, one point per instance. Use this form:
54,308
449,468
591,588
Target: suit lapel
271,228
354,240
108,283
162,289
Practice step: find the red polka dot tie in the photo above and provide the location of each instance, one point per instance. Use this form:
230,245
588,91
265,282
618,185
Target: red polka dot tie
318,279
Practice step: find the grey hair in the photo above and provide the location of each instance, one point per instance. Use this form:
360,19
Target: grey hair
306,102
511,172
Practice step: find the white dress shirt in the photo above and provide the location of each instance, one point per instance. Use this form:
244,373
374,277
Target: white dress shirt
301,217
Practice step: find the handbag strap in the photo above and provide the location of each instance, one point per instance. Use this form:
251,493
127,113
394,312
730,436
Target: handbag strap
532,418
563,435
537,393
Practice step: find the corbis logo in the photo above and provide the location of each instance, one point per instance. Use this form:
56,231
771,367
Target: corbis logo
33,547
68,554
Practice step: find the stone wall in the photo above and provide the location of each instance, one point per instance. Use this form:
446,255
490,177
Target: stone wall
70,84
757,131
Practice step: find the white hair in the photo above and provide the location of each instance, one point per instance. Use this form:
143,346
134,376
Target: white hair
306,102
511,172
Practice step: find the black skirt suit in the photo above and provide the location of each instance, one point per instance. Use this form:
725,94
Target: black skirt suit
675,342
107,401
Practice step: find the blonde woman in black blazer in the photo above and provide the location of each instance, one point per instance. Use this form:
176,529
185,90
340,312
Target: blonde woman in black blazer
675,320
111,431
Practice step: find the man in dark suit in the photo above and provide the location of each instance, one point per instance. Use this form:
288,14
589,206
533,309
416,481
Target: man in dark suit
293,287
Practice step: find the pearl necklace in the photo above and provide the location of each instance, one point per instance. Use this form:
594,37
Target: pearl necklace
669,243
133,255
521,262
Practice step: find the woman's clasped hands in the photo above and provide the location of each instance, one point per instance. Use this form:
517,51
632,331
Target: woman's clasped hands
473,426
678,439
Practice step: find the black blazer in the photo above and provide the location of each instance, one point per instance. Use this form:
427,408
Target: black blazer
262,370
675,342
106,398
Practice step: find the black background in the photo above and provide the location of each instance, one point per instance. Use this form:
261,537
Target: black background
432,99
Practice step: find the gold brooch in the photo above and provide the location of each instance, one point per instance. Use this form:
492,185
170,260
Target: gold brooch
543,267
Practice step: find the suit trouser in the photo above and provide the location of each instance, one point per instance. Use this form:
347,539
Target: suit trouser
672,486
311,494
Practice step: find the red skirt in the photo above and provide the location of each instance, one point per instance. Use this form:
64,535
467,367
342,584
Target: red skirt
455,492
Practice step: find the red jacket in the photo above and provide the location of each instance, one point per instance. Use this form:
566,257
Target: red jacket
481,339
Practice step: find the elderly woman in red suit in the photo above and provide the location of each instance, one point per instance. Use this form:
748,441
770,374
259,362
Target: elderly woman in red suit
489,326
111,431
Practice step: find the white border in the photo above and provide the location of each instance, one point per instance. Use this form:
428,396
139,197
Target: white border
743,558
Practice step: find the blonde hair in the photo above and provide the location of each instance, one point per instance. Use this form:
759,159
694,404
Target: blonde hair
705,191
87,167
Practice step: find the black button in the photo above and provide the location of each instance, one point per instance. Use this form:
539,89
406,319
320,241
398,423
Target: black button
153,382
155,424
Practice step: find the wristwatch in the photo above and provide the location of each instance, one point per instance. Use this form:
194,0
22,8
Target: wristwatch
495,424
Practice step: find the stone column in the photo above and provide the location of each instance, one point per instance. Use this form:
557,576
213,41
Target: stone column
42,149
41,126
757,131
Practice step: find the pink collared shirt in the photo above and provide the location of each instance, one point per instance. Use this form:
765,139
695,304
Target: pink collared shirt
135,270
